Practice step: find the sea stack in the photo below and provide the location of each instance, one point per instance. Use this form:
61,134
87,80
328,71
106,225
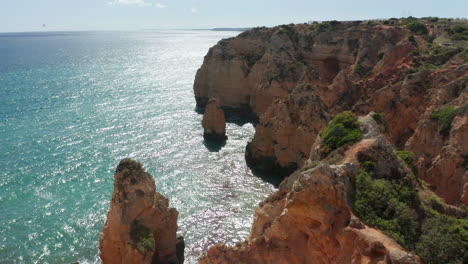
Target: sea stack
140,226
214,123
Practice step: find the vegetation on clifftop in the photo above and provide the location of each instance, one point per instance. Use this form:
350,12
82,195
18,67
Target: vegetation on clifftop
417,28
459,32
443,239
393,206
343,129
386,204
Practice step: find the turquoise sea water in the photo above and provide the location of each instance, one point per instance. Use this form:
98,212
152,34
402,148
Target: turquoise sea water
72,104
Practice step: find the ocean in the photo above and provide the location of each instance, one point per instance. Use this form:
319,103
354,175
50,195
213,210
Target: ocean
73,104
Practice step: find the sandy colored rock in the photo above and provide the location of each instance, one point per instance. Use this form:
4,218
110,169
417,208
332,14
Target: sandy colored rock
214,123
442,161
309,220
295,79
140,226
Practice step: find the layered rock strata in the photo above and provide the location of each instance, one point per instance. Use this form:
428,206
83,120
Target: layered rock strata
140,226
214,122
310,220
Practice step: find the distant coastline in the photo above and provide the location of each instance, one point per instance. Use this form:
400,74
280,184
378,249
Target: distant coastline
231,29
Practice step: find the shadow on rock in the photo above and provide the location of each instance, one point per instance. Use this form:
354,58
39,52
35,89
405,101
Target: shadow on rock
271,178
214,145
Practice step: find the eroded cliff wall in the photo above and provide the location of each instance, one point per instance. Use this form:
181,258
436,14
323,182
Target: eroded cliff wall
295,78
311,220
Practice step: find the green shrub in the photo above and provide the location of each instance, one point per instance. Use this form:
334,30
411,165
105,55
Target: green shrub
361,70
464,55
444,117
343,129
460,36
142,237
333,23
289,29
415,53
458,29
378,117
459,33
408,158
443,240
390,203
372,23
412,40
417,28
407,20
391,206
429,39
385,204
323,27
369,166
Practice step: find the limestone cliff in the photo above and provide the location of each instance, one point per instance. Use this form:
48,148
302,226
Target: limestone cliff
311,219
140,226
294,78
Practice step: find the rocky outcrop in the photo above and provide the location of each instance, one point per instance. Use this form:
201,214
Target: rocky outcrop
442,159
214,123
310,220
295,78
140,226
287,131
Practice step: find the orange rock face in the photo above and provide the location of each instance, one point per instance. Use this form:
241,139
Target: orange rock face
442,162
294,79
140,226
309,220
214,124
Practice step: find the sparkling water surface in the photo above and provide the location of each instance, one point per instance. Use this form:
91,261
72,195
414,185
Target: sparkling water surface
73,104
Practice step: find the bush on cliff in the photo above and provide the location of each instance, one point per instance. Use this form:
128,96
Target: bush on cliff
386,205
445,116
343,129
417,28
392,206
289,30
408,158
459,32
142,237
378,117
360,69
443,239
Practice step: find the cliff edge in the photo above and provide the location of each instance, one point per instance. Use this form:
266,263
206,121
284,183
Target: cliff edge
293,79
355,201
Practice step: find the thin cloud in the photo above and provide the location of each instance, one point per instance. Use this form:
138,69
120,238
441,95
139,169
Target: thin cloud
130,3
194,10
158,5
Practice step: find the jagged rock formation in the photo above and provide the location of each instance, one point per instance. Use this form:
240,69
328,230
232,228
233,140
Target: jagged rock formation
140,226
443,160
214,123
295,78
310,220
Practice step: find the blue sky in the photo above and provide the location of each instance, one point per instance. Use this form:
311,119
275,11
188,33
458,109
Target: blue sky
30,15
